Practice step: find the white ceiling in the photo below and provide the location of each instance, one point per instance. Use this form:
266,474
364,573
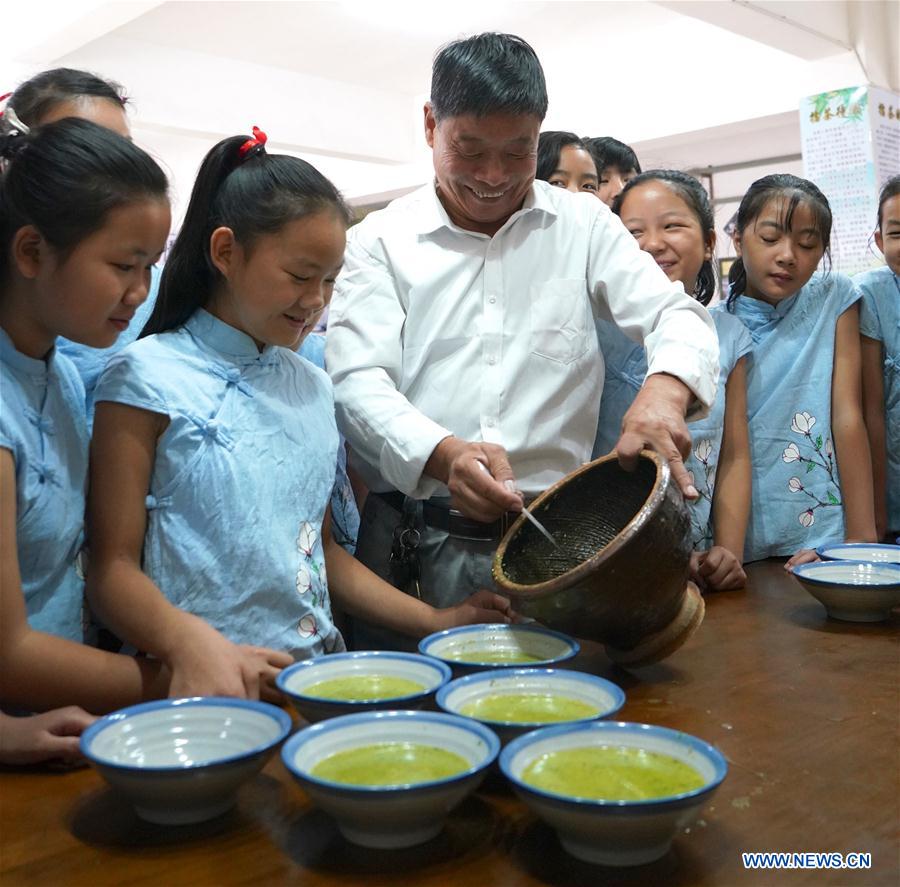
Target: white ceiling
343,82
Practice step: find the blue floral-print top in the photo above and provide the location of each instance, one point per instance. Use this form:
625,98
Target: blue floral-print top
626,368
344,512
241,481
42,424
796,500
879,318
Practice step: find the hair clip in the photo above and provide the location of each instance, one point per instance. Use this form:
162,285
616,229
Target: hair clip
10,117
257,142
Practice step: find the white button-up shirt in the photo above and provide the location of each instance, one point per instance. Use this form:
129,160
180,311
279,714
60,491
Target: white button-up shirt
435,330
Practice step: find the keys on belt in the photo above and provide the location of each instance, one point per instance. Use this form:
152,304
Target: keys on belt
404,560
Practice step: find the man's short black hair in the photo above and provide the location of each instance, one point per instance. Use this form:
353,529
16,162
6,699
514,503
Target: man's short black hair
487,74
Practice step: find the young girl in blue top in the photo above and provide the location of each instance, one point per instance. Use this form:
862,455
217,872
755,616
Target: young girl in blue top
83,215
215,444
54,95
879,324
812,480
669,214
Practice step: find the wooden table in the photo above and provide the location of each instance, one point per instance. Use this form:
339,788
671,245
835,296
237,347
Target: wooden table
807,711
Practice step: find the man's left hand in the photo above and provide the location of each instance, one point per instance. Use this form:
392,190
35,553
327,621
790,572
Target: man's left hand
656,420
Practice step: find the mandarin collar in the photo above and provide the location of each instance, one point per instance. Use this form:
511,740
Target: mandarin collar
758,311
758,316
33,367
223,338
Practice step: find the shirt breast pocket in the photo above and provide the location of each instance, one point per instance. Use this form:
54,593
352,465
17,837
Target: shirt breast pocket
560,320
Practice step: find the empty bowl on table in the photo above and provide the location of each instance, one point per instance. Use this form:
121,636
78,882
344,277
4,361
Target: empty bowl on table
475,647
344,683
872,552
517,700
853,591
620,572
180,761
611,830
391,795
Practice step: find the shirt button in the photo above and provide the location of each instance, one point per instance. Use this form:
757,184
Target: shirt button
489,423
491,361
492,300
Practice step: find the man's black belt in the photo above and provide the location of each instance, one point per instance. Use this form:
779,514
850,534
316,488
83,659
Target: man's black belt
441,516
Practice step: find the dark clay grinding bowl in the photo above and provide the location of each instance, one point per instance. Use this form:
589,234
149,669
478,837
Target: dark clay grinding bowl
620,575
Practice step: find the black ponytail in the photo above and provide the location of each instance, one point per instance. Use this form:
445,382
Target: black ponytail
252,195
64,179
694,195
794,191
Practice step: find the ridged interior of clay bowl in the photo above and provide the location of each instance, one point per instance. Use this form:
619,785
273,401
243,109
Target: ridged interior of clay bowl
591,514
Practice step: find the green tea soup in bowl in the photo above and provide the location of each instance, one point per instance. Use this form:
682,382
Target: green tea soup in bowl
390,778
608,772
513,701
616,793
475,647
390,763
342,683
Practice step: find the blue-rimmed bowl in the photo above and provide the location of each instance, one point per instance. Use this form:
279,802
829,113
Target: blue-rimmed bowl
181,760
614,832
400,815
297,679
475,647
853,591
602,695
870,552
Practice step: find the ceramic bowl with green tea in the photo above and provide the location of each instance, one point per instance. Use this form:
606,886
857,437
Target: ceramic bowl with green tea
476,647
342,683
516,700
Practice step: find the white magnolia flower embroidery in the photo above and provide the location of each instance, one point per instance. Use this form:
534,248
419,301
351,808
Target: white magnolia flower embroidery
807,518
803,423
794,484
703,450
307,626
304,579
306,540
791,453
829,450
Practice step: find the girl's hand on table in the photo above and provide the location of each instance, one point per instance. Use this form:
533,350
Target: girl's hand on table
206,663
51,736
717,570
270,663
804,556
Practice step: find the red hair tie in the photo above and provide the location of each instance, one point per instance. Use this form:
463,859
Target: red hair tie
259,139
3,98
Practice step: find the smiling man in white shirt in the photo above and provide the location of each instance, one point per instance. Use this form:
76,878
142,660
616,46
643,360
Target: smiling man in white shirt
461,338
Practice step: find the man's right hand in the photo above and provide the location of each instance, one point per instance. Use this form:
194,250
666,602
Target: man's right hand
478,475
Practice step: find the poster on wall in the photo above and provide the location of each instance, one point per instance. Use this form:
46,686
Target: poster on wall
884,119
837,156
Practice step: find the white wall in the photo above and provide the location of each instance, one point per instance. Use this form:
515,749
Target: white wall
346,92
